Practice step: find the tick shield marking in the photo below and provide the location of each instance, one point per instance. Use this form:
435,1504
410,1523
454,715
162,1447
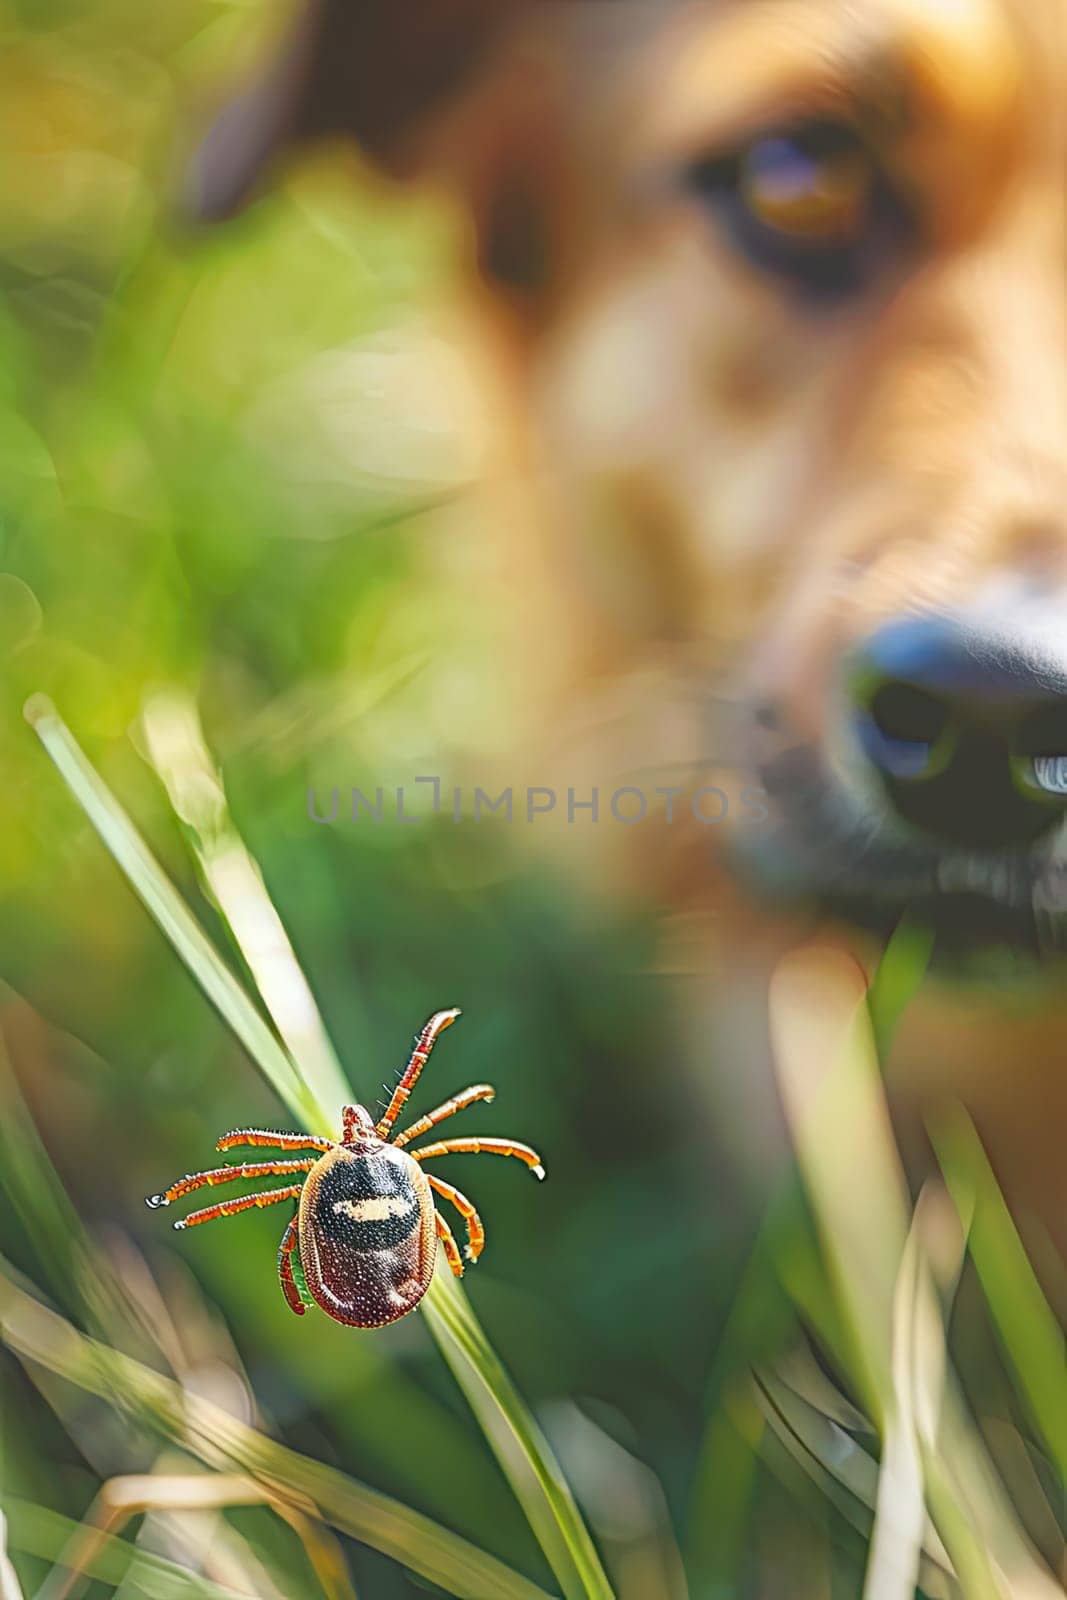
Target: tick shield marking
376,1209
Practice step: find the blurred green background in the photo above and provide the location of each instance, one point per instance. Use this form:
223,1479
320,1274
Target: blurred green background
232,460
194,488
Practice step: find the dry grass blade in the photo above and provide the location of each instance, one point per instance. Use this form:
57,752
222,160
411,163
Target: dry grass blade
845,1472
828,1073
799,1371
207,1543
974,1514
323,1550
41,1337
10,1589
918,1369
121,1499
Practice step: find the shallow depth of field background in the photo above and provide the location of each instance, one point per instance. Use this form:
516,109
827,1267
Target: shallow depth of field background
224,458
218,457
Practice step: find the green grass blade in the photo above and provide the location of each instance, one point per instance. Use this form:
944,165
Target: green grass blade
897,979
1027,1327
835,1105
181,759
517,1441
36,1531
148,880
36,1201
756,1316
625,1504
41,1337
514,1436
194,787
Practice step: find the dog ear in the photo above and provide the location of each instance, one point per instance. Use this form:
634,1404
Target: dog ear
420,85
373,70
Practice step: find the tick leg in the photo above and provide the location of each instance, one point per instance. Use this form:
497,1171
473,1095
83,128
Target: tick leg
476,1146
230,1208
285,1270
419,1056
448,1242
475,1231
200,1180
458,1102
279,1141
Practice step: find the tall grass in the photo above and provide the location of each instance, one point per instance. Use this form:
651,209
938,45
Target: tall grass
302,1067
878,1429
873,1279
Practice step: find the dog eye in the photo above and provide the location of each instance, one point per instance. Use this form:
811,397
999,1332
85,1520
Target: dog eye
808,203
812,185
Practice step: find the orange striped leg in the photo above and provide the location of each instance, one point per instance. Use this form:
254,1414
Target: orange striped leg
475,1231
419,1057
458,1102
279,1141
477,1146
200,1180
285,1270
448,1242
230,1208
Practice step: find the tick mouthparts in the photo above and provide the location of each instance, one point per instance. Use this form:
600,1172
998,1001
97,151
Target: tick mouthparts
154,1201
1050,774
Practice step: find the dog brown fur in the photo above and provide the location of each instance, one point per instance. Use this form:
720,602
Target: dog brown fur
722,487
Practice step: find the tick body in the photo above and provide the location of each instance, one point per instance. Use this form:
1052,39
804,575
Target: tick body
366,1226
367,1233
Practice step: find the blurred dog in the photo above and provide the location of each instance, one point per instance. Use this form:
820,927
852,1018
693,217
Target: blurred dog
779,294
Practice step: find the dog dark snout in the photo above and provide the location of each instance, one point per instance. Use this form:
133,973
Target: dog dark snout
965,723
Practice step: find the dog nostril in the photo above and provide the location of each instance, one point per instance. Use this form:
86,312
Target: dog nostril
901,728
1042,750
902,711
1049,774
967,733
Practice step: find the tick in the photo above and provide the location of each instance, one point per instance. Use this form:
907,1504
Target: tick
366,1226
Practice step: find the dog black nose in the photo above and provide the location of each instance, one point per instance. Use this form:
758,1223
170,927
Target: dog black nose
966,725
